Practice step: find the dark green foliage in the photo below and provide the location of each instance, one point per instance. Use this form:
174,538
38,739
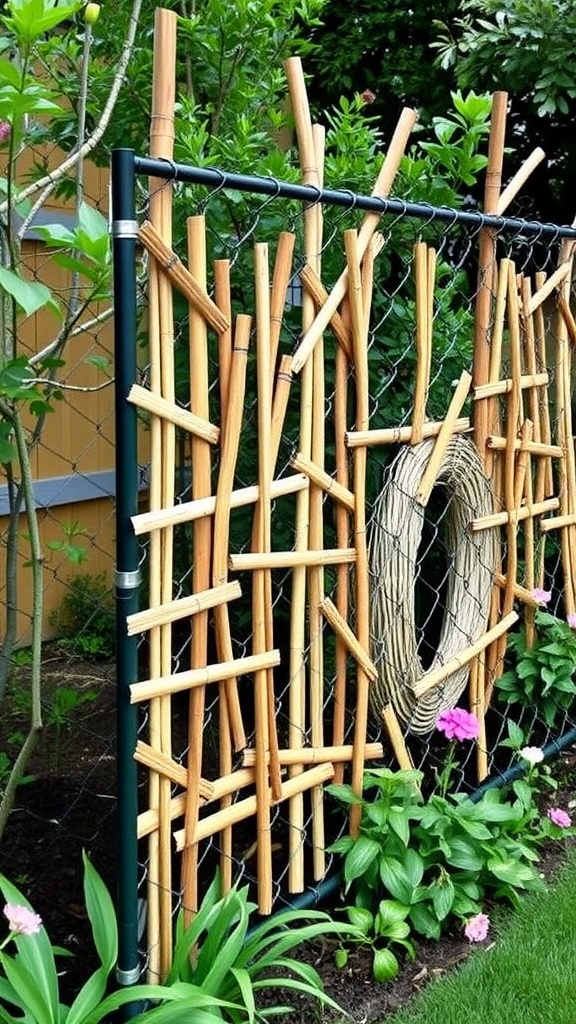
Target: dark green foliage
542,676
85,620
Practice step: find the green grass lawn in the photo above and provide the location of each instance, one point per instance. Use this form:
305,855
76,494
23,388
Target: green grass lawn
527,977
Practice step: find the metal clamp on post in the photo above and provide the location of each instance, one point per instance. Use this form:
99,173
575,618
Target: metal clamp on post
127,580
125,229
128,977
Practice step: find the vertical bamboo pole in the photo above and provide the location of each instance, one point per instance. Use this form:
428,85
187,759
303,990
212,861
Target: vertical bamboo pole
544,478
487,267
201,561
423,339
161,492
513,420
297,694
359,317
228,698
261,624
316,541
280,282
342,540
562,375
531,363
223,300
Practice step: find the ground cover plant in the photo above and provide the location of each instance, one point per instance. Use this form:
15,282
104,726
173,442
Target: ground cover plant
528,974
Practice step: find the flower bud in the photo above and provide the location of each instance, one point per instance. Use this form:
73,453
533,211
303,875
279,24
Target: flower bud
91,13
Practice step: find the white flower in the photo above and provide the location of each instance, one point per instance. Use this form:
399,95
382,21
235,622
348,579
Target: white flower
534,755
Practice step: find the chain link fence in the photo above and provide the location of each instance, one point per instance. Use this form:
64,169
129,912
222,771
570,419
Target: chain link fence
436,592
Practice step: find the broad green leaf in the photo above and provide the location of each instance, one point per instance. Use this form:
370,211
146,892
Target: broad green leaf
413,866
30,296
395,879
442,897
361,918
360,857
464,855
385,966
424,921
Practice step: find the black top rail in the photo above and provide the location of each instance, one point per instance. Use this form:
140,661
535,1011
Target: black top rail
214,178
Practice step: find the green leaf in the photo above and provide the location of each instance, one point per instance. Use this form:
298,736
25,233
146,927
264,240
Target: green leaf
101,914
360,857
395,879
385,966
413,866
399,824
30,296
442,893
424,921
345,794
361,918
464,855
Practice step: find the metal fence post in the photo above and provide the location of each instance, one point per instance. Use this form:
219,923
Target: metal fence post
124,233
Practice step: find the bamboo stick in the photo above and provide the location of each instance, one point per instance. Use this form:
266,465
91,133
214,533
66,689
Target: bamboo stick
243,809
342,629
443,439
398,435
317,291
167,410
323,480
558,522
433,679
495,367
546,289
201,559
195,678
187,512
544,487
553,451
390,719
158,762
423,336
229,712
478,707
504,387
316,532
223,298
221,789
342,540
317,755
520,178
261,628
297,670
569,321
432,260
181,278
359,318
181,608
162,490
381,189
279,406
291,559
567,469
280,282
487,267
516,515
520,593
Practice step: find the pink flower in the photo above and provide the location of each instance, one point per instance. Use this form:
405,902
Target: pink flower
458,724
541,596
571,620
477,927
22,920
368,96
559,817
5,129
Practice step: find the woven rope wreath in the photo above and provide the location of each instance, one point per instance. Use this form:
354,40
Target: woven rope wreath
395,540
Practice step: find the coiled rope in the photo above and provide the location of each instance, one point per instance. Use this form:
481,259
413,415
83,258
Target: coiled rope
395,539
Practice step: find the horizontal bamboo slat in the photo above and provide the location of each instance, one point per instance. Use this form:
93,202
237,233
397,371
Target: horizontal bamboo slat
317,755
517,514
225,786
553,451
290,559
150,688
520,592
188,511
433,679
150,402
182,607
398,435
243,809
557,522
504,387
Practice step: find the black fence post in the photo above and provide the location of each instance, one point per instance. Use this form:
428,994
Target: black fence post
124,234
